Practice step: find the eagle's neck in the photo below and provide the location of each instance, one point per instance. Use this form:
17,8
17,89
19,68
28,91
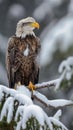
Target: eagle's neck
23,34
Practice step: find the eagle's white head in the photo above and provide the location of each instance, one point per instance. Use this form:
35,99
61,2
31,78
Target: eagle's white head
26,27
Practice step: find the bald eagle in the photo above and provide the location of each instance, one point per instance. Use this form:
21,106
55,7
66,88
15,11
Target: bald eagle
22,52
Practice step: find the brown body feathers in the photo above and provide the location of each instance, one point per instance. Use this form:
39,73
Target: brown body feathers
21,60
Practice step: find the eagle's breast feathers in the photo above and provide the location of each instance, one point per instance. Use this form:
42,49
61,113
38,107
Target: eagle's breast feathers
26,51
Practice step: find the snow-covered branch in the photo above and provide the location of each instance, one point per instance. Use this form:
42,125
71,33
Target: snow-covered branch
66,71
46,84
58,103
17,106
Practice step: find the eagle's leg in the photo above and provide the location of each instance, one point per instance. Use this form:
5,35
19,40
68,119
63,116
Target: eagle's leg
17,84
31,86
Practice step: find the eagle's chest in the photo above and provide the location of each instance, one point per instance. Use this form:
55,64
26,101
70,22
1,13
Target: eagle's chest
27,46
24,48
28,65
26,51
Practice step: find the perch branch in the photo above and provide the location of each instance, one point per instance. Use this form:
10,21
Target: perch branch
47,84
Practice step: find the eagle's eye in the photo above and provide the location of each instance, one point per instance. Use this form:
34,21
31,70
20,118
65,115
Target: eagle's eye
26,24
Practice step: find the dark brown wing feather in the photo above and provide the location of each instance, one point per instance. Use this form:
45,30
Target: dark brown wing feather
19,67
12,61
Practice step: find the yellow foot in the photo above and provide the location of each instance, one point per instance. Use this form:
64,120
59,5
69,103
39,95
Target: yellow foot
17,84
31,86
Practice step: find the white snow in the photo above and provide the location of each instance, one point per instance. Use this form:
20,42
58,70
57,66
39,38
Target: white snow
8,91
24,90
19,125
33,111
7,110
58,114
23,99
20,97
19,111
66,64
26,52
53,82
10,110
20,89
57,123
66,70
61,78
59,103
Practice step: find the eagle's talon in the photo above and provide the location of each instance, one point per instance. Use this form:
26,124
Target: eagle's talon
31,86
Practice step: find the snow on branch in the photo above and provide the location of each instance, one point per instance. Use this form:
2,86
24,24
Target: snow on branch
67,65
40,115
66,71
58,103
58,114
46,84
17,106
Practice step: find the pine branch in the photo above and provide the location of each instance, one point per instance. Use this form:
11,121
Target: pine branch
19,108
58,103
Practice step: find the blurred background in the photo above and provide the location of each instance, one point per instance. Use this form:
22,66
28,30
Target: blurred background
56,36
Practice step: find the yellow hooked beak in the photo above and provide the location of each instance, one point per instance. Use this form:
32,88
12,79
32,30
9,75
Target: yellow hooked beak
35,25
